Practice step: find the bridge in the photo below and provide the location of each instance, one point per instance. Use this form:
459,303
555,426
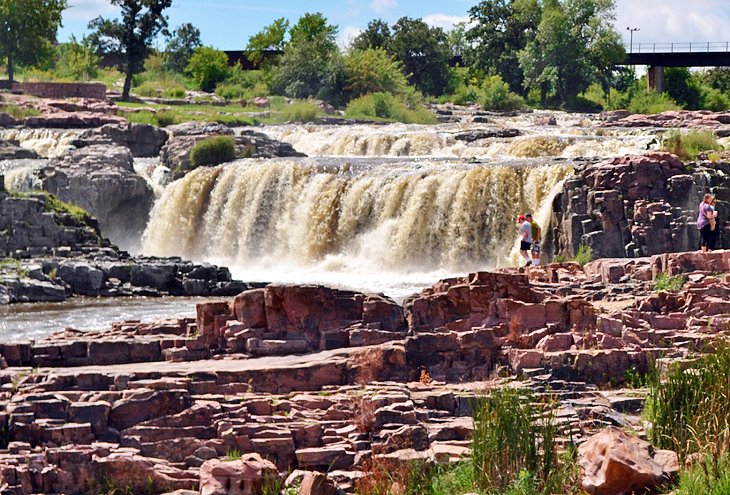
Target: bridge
659,55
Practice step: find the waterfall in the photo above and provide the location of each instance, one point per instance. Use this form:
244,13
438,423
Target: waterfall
22,175
48,143
392,217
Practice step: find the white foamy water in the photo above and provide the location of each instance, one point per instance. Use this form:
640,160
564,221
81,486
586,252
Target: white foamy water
48,143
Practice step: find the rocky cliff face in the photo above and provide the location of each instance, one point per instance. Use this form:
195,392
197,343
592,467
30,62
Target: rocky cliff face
638,205
101,179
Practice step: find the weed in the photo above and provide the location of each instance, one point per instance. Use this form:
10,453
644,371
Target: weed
303,111
709,477
233,455
665,282
688,145
18,112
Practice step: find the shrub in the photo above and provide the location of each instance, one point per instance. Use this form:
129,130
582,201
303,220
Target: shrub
649,102
208,67
373,71
148,89
213,151
584,255
389,107
690,144
714,99
143,117
689,409
664,282
231,91
167,117
174,92
497,96
18,112
302,111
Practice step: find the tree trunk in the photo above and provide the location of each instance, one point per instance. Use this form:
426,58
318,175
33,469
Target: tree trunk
11,69
127,85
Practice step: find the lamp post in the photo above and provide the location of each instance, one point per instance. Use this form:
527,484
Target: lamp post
631,37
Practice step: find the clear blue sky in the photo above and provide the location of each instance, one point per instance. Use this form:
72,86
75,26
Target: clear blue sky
227,24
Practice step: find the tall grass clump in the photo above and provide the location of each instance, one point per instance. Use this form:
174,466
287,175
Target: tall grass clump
514,444
213,151
690,144
385,106
18,112
708,477
301,111
689,408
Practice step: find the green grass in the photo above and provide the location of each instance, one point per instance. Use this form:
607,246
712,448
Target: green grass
18,112
13,266
710,476
688,145
302,111
384,106
58,206
664,282
648,102
689,408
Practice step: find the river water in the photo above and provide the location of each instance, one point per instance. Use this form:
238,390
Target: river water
379,208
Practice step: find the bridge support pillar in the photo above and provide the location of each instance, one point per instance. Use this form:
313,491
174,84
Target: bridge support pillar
656,78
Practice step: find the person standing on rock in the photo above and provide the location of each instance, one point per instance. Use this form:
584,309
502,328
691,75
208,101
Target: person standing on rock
715,224
525,238
536,238
707,237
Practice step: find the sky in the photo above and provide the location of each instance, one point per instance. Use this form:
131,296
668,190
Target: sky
228,24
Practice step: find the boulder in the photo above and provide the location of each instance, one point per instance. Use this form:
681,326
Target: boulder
141,139
245,476
102,180
614,462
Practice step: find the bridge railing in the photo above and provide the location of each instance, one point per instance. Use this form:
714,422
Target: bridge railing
693,47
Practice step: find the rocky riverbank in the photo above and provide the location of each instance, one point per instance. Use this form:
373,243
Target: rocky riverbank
306,378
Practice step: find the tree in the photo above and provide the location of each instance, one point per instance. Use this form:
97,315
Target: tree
683,87
271,38
311,65
376,35
79,59
372,71
574,46
208,67
27,30
180,47
501,29
131,37
424,53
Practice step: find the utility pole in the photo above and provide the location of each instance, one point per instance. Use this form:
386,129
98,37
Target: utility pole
631,37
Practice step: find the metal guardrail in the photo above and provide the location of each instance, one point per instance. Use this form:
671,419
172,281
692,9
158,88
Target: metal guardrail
693,47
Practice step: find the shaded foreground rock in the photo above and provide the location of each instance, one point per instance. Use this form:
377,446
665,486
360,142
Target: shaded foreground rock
615,462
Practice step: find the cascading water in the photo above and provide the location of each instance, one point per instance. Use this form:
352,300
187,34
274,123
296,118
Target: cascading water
267,218
48,143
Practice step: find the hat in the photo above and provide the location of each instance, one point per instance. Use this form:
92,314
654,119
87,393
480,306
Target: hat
521,218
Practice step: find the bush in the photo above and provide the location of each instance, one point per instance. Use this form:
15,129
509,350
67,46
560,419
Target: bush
689,409
664,282
213,151
148,89
302,111
388,107
497,96
690,144
168,117
18,112
648,102
584,255
229,91
174,92
374,71
714,99
208,67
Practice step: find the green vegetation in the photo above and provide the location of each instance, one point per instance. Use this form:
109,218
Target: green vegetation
58,206
18,112
208,67
687,145
233,455
584,255
710,476
213,151
665,282
689,408
388,107
302,111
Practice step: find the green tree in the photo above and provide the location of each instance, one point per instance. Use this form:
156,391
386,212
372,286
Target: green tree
79,59
717,78
311,65
27,30
501,29
208,67
180,47
424,53
683,87
574,46
372,71
271,38
131,37
376,35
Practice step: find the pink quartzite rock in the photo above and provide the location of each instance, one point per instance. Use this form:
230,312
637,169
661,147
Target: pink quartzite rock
245,476
615,463
316,483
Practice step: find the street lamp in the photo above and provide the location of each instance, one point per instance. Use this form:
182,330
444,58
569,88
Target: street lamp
631,37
